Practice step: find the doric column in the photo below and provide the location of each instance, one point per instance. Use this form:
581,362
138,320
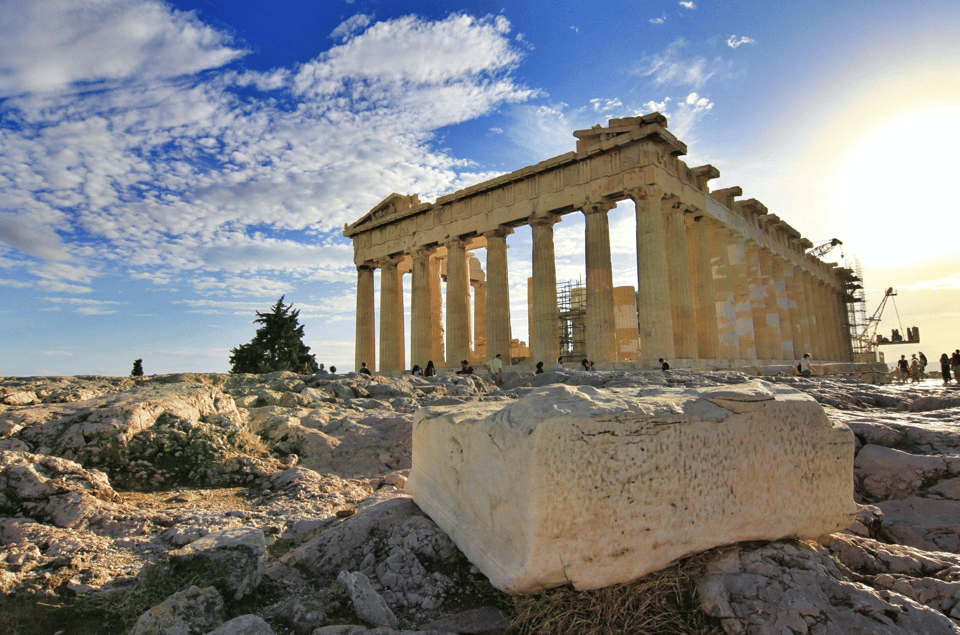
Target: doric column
729,341
743,305
601,326
366,346
783,307
681,283
391,316
545,339
813,318
498,294
833,320
653,282
458,303
421,347
479,313
768,282
795,306
846,346
758,301
436,314
704,302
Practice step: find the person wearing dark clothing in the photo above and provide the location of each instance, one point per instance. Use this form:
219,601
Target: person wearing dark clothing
945,369
465,368
430,370
364,370
955,365
663,365
539,368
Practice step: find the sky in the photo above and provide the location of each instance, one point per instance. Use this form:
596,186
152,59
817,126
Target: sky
167,169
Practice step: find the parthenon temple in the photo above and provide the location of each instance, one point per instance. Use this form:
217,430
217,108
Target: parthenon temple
720,281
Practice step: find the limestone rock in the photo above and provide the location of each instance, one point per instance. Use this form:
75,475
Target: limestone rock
239,554
367,603
600,487
790,588
193,611
243,625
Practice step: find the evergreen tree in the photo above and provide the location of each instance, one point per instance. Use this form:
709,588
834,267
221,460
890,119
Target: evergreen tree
278,344
137,368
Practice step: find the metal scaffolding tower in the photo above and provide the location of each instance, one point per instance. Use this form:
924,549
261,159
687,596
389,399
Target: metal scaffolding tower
857,307
572,304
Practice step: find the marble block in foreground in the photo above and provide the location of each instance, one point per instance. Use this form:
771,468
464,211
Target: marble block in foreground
598,487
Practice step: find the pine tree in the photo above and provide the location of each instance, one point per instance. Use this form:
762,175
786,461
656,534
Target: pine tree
278,344
137,368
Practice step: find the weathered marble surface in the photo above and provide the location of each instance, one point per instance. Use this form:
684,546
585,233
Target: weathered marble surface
600,487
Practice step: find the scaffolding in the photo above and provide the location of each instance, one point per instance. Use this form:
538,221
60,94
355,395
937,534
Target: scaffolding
572,305
857,309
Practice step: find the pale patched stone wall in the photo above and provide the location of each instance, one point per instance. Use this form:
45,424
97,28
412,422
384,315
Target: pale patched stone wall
597,487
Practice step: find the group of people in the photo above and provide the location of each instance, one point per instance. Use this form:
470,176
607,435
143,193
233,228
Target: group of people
912,369
950,367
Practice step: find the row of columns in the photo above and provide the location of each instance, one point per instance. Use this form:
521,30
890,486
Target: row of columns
704,291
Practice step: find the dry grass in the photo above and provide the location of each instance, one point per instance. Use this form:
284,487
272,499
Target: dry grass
662,603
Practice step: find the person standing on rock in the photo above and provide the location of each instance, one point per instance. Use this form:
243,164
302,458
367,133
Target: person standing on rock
955,365
923,363
945,369
914,369
496,369
903,369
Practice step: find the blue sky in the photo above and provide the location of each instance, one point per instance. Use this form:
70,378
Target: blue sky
167,169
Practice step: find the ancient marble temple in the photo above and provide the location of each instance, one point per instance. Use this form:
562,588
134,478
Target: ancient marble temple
720,280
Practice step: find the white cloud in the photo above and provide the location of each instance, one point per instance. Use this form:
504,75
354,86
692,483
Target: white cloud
30,237
688,5
733,41
674,68
350,26
179,173
85,306
662,19
606,105
52,44
939,284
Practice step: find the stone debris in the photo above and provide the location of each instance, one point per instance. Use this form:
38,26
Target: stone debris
368,604
103,479
620,482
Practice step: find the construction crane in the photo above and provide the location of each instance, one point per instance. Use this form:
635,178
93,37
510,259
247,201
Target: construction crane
869,338
823,249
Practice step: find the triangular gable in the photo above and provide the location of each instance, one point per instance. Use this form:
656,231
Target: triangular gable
393,205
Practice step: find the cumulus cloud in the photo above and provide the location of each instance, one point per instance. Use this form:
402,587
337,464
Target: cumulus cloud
688,5
31,237
733,41
606,105
674,68
52,44
660,20
225,172
350,26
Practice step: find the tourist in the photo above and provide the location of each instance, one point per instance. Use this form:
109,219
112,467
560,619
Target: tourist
955,365
923,364
321,370
945,369
804,366
465,368
363,369
496,369
305,370
903,369
559,365
663,364
430,370
914,369
539,368
416,371
585,364
592,366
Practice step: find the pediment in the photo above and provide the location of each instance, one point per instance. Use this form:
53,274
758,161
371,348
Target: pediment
394,206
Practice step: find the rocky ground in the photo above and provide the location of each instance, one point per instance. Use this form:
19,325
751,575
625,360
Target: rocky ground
275,504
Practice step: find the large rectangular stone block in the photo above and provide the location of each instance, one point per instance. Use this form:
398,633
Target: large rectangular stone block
597,487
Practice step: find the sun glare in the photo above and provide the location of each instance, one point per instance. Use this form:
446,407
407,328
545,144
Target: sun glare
894,186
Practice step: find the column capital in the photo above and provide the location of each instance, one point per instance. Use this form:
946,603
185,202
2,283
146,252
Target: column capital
646,192
369,265
500,231
543,219
596,207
